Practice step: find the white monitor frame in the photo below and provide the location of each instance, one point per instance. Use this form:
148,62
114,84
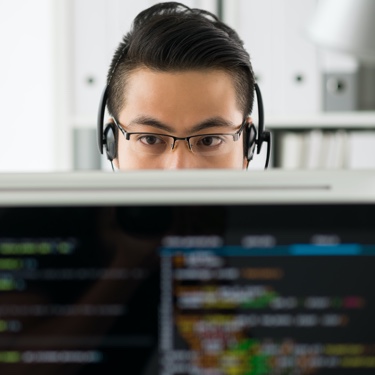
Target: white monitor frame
187,187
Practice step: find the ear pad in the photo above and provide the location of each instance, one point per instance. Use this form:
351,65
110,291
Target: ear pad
110,141
250,141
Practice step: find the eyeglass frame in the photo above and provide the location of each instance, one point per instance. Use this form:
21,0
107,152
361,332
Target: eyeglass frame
236,136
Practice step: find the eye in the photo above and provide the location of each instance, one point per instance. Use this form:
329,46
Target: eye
210,141
150,140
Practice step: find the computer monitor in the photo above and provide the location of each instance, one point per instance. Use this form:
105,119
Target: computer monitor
188,272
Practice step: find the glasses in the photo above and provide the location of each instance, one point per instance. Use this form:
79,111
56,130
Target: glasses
217,144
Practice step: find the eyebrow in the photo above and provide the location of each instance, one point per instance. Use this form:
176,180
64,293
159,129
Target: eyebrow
205,124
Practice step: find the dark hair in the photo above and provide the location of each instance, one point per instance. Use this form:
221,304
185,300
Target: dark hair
173,37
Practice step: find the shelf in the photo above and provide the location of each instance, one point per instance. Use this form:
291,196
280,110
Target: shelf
360,120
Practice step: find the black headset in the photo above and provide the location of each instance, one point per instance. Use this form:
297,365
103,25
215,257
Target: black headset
253,139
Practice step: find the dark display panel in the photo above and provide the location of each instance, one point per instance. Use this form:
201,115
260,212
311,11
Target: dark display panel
260,289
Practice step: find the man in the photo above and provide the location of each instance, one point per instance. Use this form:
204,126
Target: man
180,91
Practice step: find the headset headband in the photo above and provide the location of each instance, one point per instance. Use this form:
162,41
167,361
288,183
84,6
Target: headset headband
102,106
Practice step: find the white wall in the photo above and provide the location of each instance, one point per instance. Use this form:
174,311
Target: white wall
26,86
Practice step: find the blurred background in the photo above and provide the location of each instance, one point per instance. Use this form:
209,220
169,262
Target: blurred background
314,61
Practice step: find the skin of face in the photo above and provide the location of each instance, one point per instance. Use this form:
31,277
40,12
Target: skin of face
179,104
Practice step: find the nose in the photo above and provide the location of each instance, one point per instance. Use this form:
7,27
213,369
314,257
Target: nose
181,157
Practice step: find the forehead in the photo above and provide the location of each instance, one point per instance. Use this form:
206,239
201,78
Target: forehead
202,92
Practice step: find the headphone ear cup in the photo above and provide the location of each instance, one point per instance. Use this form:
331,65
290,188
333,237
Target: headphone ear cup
251,141
110,142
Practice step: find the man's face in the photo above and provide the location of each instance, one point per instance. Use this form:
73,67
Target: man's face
181,104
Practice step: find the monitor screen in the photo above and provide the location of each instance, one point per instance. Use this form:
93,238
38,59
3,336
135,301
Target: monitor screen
211,289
